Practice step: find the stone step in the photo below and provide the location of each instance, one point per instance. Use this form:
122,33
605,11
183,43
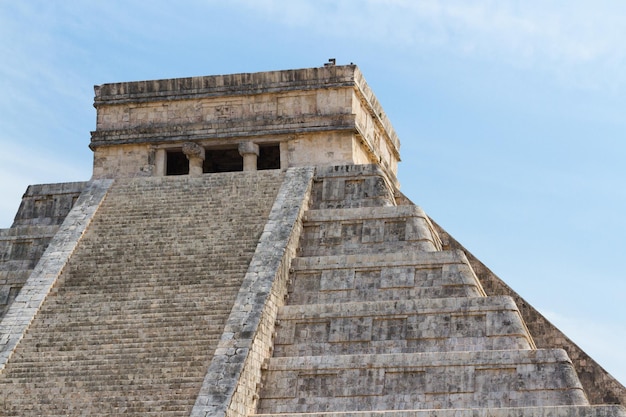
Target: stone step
111,349
178,321
95,376
371,277
143,298
150,275
114,276
137,301
106,360
513,378
351,186
122,338
171,272
162,315
110,314
101,411
142,306
367,230
65,355
126,339
545,411
101,408
181,249
403,326
125,291
94,401
104,391
94,372
110,345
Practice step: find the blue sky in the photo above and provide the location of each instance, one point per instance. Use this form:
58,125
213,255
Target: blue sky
510,115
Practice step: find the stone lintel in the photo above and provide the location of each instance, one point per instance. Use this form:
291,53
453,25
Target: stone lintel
285,128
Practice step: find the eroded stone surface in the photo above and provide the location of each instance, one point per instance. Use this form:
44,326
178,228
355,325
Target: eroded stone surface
138,311
318,116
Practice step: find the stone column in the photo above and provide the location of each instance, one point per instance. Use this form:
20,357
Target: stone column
160,162
195,155
250,152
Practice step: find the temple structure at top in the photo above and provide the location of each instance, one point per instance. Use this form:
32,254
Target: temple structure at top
267,120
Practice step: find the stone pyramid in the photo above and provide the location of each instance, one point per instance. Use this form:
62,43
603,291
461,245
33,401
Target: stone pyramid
243,250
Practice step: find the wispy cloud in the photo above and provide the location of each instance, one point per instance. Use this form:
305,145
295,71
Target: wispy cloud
577,41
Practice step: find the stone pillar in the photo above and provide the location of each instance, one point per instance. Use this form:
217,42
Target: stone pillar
195,155
250,152
160,162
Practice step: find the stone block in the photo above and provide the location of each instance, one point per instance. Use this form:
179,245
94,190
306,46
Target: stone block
351,186
402,326
403,275
456,380
367,230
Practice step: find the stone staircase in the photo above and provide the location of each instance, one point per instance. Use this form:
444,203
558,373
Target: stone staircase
381,321
132,323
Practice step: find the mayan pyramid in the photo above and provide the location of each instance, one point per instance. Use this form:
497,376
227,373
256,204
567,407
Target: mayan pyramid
243,249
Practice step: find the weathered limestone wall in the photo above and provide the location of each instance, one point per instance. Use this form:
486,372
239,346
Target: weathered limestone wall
351,186
265,111
319,116
124,161
400,326
328,148
380,229
47,204
395,381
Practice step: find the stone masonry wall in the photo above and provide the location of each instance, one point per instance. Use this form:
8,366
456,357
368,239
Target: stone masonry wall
329,108
223,110
47,204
